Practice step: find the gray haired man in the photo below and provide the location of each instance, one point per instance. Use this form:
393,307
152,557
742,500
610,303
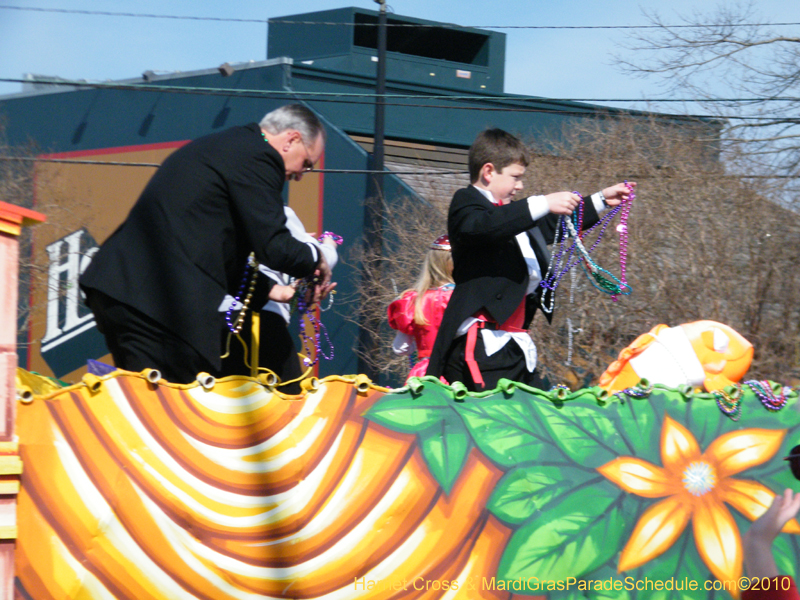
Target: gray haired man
156,283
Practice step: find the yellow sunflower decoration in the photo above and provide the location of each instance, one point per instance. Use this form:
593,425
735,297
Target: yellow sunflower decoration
696,486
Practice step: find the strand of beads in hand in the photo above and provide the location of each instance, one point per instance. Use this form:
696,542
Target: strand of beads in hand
567,255
241,301
339,240
303,303
329,234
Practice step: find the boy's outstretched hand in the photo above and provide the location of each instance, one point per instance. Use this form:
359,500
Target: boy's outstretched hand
617,193
562,203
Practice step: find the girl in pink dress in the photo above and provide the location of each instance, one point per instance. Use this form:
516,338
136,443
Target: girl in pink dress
417,314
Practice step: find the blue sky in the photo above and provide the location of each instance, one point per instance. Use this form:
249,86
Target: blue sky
550,63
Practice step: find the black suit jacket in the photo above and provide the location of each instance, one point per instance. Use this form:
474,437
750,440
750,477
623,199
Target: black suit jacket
185,243
488,267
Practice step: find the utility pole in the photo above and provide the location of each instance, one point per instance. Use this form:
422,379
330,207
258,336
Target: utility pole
380,92
373,207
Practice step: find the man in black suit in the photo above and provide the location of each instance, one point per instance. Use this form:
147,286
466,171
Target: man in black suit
499,258
156,284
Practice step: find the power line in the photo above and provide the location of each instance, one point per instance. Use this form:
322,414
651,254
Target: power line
435,172
75,161
349,24
103,13
111,163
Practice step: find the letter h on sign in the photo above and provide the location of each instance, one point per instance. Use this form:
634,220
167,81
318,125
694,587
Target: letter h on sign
70,334
69,257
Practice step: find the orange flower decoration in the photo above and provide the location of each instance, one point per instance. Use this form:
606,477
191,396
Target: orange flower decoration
696,487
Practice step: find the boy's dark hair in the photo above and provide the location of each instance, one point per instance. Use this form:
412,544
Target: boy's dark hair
497,147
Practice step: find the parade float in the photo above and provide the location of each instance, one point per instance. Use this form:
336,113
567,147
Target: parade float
137,488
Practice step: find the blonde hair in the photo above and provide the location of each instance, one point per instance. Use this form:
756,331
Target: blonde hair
437,270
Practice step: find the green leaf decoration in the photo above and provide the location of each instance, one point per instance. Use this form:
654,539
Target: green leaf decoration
784,550
525,490
507,431
443,438
585,432
639,425
703,418
754,413
445,447
774,478
407,414
568,539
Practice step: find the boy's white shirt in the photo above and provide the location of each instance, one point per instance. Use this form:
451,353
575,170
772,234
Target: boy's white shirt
495,340
298,231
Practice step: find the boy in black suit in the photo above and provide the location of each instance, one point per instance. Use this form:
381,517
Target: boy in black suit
500,256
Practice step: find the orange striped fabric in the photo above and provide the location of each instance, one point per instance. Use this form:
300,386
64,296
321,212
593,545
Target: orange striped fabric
140,491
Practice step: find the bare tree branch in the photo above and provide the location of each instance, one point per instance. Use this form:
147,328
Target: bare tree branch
720,56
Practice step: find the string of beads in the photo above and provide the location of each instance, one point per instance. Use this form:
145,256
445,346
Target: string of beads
329,234
769,397
304,290
730,403
566,256
773,397
305,309
242,300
